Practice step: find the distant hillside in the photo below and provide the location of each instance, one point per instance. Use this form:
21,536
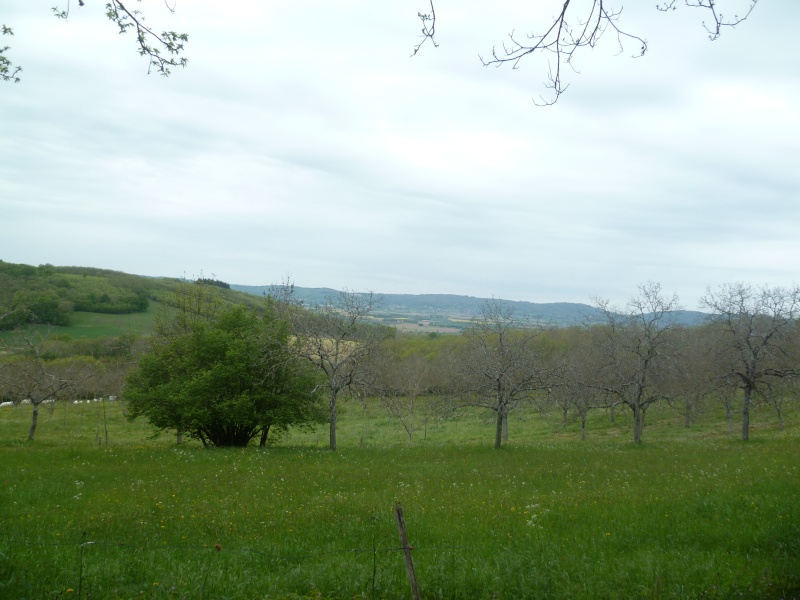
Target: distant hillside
56,296
450,310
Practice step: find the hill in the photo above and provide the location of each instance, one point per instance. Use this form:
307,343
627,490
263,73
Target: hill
87,302
450,311
90,302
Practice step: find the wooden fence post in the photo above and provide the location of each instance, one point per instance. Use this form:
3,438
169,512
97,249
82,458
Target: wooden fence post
401,526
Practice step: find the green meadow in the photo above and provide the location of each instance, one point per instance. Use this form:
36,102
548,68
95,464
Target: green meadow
97,508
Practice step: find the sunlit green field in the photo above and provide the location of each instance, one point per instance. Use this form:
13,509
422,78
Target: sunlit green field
691,513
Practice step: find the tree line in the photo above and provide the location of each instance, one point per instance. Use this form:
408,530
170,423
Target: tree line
229,375
640,355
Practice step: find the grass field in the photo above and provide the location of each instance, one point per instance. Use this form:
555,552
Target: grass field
690,513
86,325
92,325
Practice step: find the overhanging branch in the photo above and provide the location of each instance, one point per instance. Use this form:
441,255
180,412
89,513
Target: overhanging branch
163,50
575,28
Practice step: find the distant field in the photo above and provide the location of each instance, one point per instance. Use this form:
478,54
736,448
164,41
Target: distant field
417,328
86,325
691,513
92,325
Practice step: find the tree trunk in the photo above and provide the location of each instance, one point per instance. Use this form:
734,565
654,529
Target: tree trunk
264,434
729,417
505,428
746,414
105,420
638,423
498,435
611,413
34,421
583,426
409,427
179,437
332,402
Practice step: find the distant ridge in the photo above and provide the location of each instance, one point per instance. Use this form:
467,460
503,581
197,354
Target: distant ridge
440,306
56,294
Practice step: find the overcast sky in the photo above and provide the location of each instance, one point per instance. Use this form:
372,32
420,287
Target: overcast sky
303,141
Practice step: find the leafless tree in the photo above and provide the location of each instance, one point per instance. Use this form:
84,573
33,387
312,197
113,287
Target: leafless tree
498,369
779,394
400,383
335,337
34,377
636,351
581,24
693,380
757,332
573,392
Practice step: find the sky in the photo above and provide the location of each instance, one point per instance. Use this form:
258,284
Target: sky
303,141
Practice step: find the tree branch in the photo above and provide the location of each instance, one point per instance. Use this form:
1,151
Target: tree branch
563,40
428,28
719,20
151,44
8,71
170,41
568,32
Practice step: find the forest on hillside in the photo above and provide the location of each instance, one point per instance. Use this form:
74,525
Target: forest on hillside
51,295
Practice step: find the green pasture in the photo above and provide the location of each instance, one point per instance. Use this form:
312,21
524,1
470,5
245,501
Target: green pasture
88,325
94,325
690,513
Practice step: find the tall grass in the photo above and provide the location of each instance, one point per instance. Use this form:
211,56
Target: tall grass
688,514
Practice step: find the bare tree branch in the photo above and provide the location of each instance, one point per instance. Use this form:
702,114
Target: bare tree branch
428,28
580,25
719,21
563,40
